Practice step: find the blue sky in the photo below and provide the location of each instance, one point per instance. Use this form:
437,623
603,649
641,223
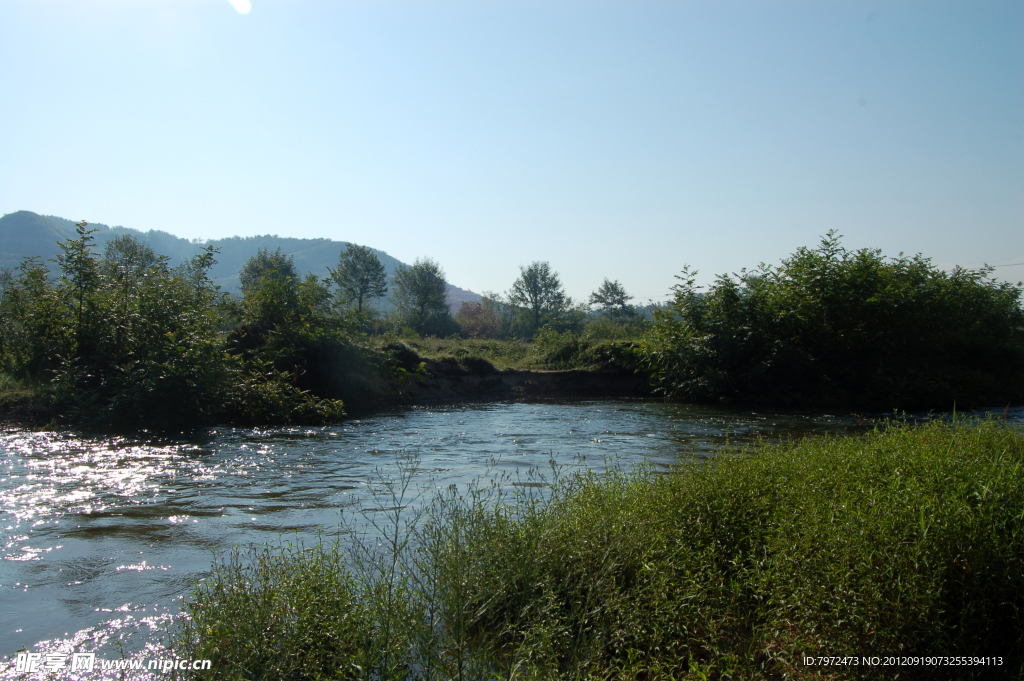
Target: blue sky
613,139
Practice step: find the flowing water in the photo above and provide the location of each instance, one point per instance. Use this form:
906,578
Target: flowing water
103,537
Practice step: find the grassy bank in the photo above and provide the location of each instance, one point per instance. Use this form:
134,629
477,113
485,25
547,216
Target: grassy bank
908,542
550,351
24,403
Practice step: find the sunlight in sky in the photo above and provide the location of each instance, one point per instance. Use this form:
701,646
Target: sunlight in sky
243,6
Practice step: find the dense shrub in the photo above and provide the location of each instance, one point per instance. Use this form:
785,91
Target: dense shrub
290,327
835,546
832,327
121,340
124,341
567,350
274,604
480,320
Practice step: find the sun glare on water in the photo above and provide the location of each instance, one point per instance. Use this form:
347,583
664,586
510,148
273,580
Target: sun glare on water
242,6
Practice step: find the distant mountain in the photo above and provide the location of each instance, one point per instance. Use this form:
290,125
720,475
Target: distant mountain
24,234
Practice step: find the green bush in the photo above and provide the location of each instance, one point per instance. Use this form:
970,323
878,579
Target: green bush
258,394
905,543
832,327
608,328
278,614
502,354
124,342
567,350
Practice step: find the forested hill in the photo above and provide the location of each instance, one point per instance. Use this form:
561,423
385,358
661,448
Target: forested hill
24,234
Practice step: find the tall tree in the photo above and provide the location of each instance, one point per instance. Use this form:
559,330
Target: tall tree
612,300
266,265
539,290
80,277
421,293
126,260
360,274
270,288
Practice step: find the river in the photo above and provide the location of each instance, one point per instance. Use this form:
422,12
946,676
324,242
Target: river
103,537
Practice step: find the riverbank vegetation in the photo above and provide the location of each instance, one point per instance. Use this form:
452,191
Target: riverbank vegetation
830,327
908,542
548,350
124,341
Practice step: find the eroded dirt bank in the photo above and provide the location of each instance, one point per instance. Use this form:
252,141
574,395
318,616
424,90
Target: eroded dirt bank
447,380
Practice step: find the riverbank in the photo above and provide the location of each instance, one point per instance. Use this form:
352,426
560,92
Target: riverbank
903,544
24,405
460,370
397,374
451,381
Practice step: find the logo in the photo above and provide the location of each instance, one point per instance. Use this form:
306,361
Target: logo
28,663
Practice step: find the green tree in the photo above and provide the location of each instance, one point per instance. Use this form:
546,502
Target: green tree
270,289
612,300
420,294
266,265
127,258
144,352
128,342
79,278
34,329
295,350
126,261
539,291
360,275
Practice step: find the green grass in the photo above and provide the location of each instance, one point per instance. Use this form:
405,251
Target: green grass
551,351
503,354
13,390
905,542
24,402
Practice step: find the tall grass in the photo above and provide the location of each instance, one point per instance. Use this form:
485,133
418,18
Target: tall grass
12,389
550,350
503,354
906,542
24,401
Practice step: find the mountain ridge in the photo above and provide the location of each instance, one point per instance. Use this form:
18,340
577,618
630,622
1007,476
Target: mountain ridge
26,234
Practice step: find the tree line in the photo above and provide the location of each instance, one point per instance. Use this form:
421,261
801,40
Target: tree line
536,300
123,339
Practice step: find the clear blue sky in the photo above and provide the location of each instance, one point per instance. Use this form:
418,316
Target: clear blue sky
621,139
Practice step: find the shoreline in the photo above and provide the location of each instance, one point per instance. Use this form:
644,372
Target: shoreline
440,381
447,380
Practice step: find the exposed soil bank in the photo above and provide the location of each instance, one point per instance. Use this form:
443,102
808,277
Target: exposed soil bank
447,380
